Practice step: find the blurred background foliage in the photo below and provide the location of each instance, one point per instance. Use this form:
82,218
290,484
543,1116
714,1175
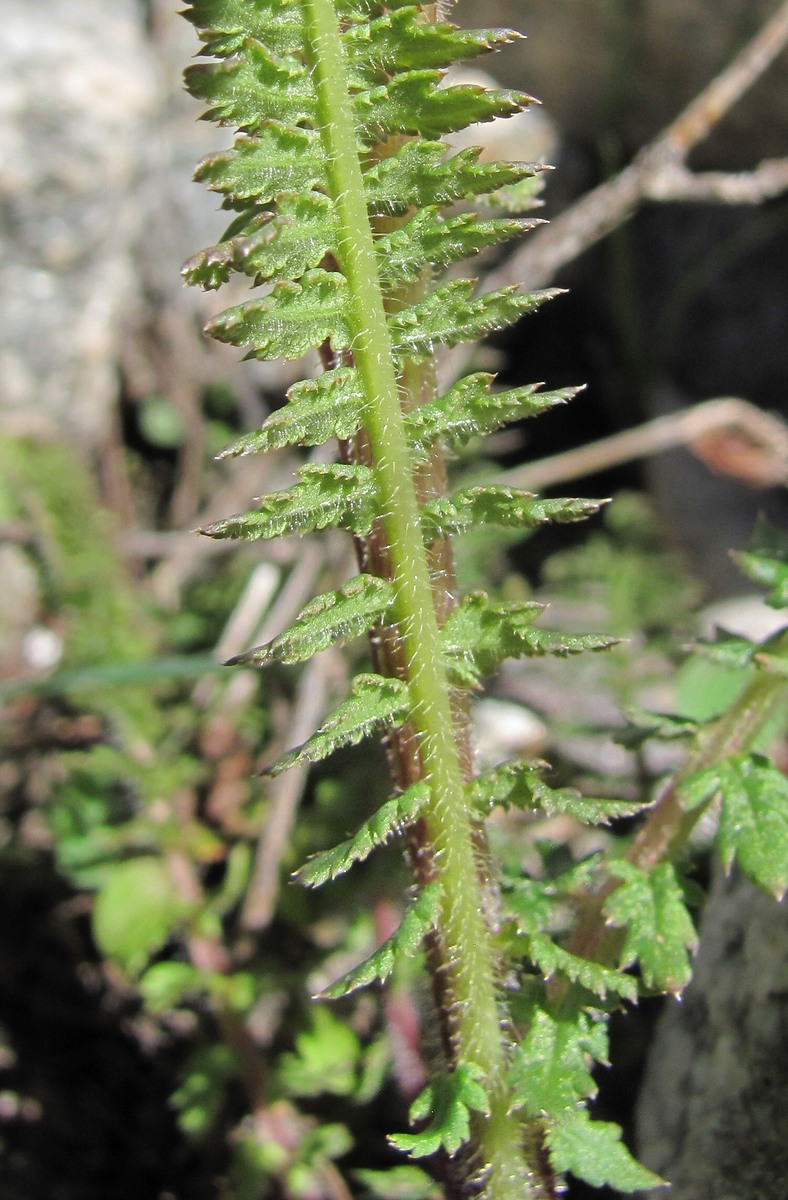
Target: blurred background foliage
156,1035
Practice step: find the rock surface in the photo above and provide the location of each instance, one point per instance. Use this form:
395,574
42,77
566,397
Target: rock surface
713,1117
77,94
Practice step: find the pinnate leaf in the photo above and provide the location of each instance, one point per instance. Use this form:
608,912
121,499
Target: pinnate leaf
551,1071
281,245
551,958
470,409
448,1102
326,495
413,102
451,315
420,174
332,617
402,40
479,635
507,507
278,159
389,819
520,785
659,930
292,319
593,1151
375,701
252,87
317,409
427,239
416,923
225,24
753,816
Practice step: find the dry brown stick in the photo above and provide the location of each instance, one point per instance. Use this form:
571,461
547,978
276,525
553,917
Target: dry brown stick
657,172
285,795
764,434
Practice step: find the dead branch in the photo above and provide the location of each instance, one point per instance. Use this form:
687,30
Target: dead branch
659,173
755,449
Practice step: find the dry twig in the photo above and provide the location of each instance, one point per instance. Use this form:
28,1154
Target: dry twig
728,434
659,172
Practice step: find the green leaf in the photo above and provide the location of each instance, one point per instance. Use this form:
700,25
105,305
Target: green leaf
136,910
551,1070
479,635
277,159
451,315
292,319
550,958
643,725
225,24
398,1183
165,984
753,816
520,785
508,507
767,562
593,1151
280,245
375,701
420,174
428,240
327,495
326,1061
253,87
659,930
413,102
470,409
332,617
387,821
318,409
418,920
448,1102
403,40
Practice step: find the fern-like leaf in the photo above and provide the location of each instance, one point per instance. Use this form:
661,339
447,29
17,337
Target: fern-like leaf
332,617
375,701
450,315
594,1152
327,495
447,1103
753,816
317,410
506,507
279,159
479,635
420,173
384,824
520,785
470,409
419,919
659,931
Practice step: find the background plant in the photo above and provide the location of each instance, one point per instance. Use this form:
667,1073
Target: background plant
193,869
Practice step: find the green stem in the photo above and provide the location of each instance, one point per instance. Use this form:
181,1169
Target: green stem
668,828
463,929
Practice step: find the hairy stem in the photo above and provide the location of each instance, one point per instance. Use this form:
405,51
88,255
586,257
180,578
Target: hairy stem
463,931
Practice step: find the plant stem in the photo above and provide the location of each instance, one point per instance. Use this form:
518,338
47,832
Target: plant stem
668,827
463,931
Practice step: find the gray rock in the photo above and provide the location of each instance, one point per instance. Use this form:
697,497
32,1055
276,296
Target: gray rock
713,1115
77,92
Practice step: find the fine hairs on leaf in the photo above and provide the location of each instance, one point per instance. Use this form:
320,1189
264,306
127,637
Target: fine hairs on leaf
345,207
